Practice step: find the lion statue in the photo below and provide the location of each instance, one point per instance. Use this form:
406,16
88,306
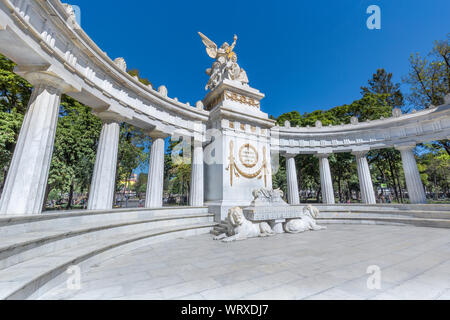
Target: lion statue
307,221
240,228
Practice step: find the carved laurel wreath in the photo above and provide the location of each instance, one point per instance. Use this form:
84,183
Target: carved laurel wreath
238,172
241,156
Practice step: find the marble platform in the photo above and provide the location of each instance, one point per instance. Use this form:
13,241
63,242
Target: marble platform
414,263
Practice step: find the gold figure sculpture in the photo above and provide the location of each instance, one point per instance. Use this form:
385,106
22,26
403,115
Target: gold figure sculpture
225,65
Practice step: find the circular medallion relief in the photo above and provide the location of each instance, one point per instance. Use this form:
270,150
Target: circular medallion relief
248,155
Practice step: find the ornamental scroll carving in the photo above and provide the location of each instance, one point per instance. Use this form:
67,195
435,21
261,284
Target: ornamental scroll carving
242,99
237,172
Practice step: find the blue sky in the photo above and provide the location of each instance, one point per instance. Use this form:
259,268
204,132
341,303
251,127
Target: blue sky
304,55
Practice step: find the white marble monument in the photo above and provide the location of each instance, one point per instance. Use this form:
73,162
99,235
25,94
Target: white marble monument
237,158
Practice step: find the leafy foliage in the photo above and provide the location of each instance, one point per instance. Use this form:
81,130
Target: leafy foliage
14,95
429,78
381,82
131,154
75,149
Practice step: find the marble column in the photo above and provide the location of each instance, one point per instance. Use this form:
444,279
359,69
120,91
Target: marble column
325,179
155,182
196,196
414,184
26,182
292,182
101,194
365,179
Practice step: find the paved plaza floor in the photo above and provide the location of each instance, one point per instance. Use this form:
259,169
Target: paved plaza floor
330,264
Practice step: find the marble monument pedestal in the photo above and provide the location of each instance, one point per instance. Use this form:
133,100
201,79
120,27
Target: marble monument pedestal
237,157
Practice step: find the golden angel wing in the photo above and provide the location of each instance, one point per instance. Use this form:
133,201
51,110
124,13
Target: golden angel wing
211,47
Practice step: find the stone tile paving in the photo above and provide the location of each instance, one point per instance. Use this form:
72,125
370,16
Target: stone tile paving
331,264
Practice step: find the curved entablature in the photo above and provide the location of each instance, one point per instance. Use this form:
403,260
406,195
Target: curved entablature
43,37
417,127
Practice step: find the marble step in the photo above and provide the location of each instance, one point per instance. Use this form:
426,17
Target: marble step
17,248
13,225
384,207
418,222
428,214
416,214
33,277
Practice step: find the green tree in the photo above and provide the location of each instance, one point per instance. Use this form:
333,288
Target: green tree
309,175
14,96
434,167
75,149
381,82
131,155
14,90
141,184
180,177
177,169
342,166
429,78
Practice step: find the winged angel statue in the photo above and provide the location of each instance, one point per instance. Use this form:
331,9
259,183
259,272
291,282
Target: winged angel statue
225,65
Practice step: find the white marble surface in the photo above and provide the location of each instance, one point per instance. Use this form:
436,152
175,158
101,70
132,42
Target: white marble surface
325,179
292,181
196,192
236,128
415,264
101,195
155,174
365,179
416,192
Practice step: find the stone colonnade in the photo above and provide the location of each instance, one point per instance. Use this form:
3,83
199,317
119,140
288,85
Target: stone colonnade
414,184
25,186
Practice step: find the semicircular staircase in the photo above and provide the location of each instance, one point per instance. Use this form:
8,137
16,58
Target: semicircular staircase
36,251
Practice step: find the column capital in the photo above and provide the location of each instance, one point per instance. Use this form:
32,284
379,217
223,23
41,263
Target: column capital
156,134
46,79
42,75
290,155
323,155
406,147
198,139
360,153
109,117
